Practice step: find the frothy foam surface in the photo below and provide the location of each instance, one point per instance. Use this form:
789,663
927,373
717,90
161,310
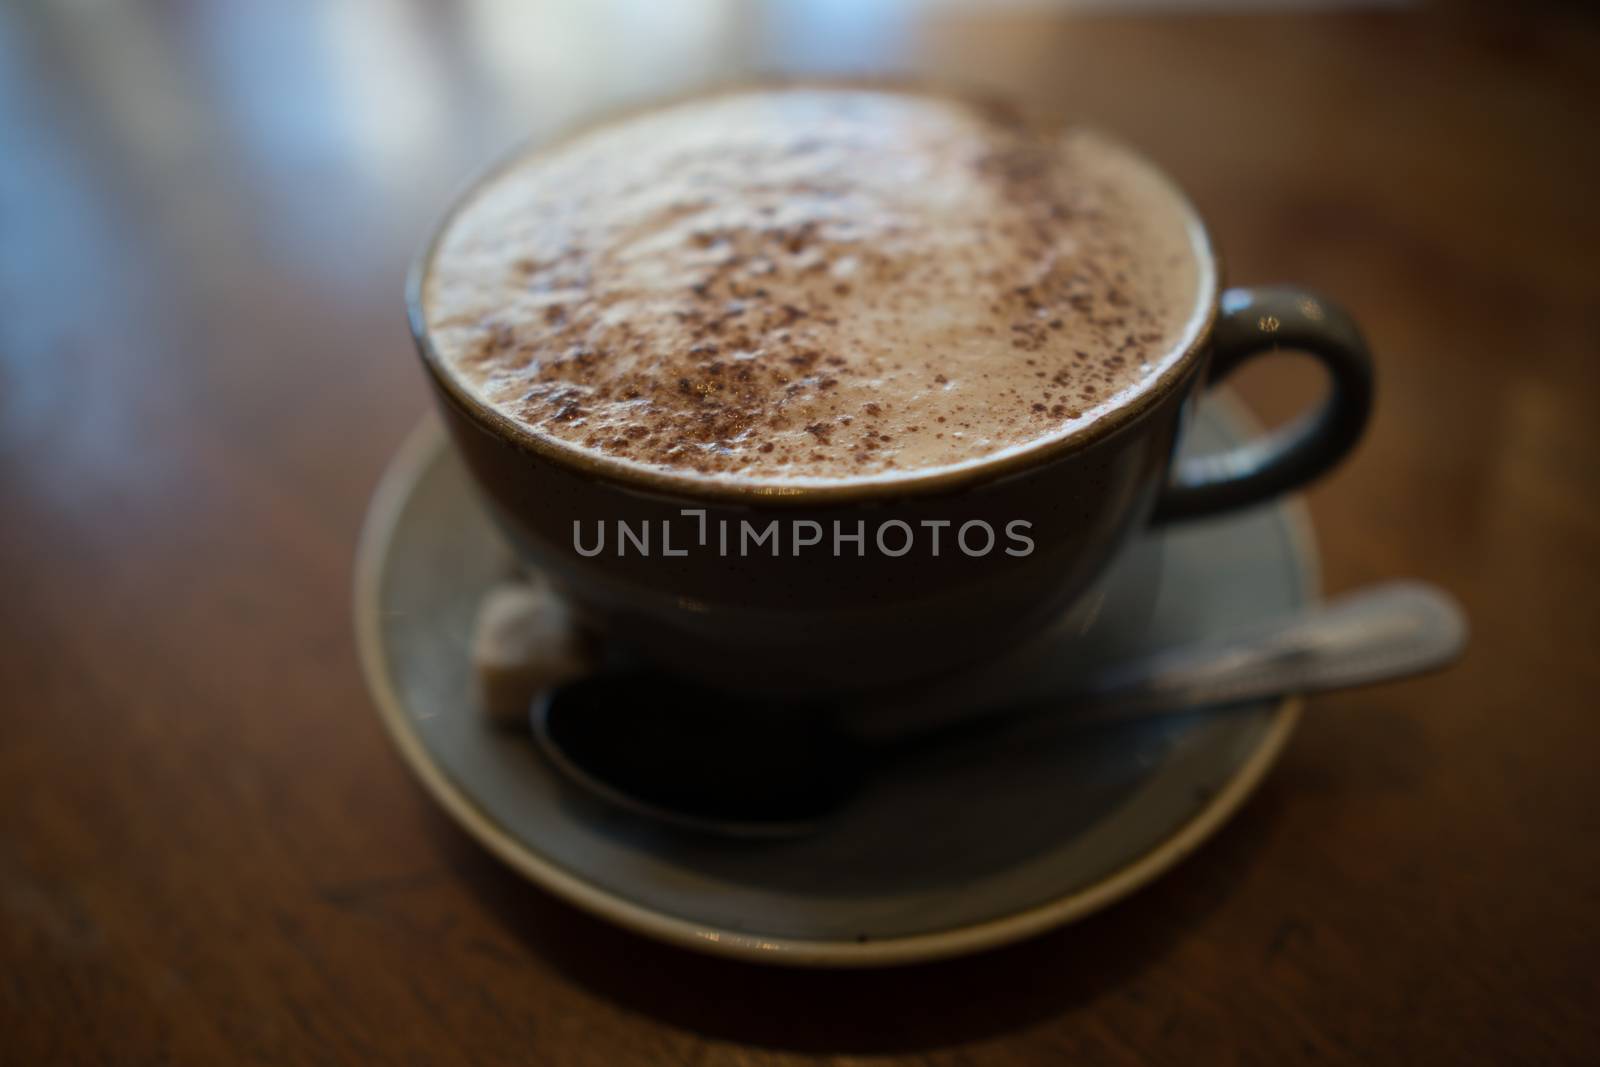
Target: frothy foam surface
813,284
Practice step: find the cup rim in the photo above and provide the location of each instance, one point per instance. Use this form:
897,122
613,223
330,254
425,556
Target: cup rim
695,486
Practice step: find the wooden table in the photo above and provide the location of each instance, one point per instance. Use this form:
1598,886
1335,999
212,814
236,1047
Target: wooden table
209,853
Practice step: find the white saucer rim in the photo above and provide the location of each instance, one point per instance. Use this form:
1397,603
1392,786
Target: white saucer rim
377,532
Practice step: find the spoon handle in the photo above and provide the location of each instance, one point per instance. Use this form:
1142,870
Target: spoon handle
1387,632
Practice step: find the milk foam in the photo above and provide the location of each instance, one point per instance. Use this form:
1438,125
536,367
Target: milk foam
814,284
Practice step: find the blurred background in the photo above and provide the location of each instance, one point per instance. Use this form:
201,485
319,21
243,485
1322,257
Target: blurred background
206,213
222,197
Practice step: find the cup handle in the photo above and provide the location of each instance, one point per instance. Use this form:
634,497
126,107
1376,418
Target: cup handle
1256,322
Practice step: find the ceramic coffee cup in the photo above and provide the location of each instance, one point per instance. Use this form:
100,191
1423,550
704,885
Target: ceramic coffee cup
818,588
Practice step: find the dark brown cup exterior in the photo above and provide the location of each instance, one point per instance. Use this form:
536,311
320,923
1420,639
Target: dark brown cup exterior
815,621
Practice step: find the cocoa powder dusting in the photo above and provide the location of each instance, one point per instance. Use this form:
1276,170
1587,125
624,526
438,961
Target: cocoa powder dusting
804,283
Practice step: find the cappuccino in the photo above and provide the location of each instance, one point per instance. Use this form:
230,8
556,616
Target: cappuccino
815,285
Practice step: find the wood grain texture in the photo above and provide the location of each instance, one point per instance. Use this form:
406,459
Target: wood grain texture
208,853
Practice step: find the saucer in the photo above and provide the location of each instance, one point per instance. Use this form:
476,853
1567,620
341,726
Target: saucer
946,854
